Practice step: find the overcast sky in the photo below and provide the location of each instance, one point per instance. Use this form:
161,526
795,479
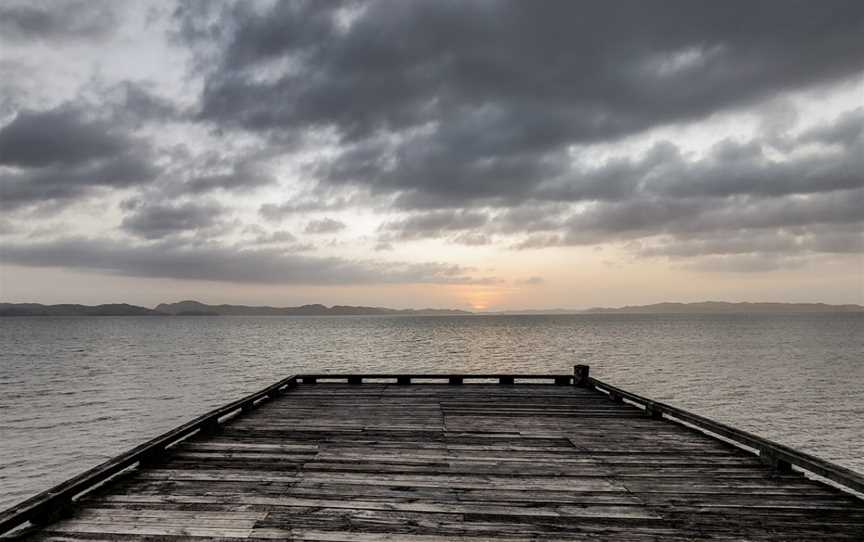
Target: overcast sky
450,154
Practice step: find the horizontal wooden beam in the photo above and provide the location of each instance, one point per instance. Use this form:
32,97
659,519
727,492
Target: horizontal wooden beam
503,378
772,453
49,503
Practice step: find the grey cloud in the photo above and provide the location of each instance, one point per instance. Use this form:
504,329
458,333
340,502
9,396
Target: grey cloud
57,155
660,62
56,20
224,263
325,225
539,241
60,184
6,227
738,243
472,239
746,263
432,224
464,110
279,236
244,176
155,221
315,201
787,241
531,281
57,136
633,219
136,103
848,130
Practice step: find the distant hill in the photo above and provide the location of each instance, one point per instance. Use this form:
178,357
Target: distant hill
197,308
720,307
37,309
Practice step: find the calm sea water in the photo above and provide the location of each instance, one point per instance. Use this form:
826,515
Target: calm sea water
75,391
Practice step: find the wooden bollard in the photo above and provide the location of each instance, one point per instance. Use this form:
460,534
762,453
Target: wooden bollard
581,376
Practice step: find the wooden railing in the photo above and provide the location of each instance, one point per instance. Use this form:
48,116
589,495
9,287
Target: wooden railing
782,458
506,379
45,506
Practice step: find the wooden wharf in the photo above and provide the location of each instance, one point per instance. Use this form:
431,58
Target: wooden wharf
427,458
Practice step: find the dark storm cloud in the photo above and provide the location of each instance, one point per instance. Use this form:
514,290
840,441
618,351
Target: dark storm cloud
325,225
57,136
56,20
223,263
58,155
692,218
155,221
732,186
480,100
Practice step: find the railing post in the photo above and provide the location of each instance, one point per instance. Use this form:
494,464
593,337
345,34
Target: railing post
211,427
768,457
581,375
152,457
652,411
51,512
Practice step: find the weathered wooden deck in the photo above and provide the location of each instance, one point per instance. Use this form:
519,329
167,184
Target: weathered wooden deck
430,462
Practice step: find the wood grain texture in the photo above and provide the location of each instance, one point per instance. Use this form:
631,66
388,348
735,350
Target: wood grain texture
442,462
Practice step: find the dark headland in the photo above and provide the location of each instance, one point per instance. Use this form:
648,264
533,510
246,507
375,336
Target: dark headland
196,308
